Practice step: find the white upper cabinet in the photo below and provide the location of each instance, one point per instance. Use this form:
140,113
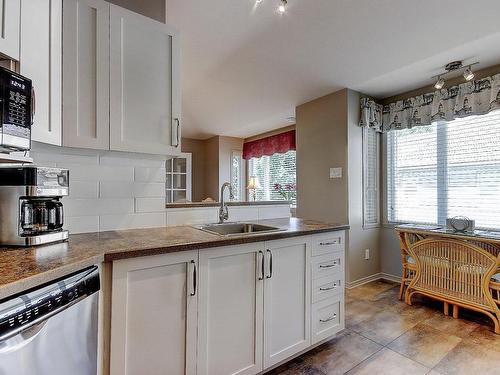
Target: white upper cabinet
41,61
287,306
10,17
154,315
86,74
144,84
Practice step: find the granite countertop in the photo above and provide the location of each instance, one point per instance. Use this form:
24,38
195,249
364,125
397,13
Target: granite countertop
24,268
230,203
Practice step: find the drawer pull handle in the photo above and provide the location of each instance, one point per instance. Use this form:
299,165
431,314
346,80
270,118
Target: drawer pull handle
328,319
329,243
329,288
334,264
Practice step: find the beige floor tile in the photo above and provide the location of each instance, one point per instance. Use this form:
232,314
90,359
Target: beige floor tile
387,362
483,335
359,311
343,353
470,359
368,291
425,344
457,327
385,326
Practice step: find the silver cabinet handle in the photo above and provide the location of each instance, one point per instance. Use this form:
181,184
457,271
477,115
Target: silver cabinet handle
177,131
33,105
270,264
334,264
193,293
328,319
261,253
329,288
335,242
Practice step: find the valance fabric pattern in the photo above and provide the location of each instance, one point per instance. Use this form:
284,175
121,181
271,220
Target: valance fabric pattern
279,143
467,99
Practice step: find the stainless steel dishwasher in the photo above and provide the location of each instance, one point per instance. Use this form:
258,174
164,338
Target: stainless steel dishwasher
52,329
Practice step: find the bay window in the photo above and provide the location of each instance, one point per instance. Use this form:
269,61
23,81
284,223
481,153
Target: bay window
445,169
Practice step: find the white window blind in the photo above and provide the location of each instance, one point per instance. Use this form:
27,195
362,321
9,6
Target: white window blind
271,170
371,178
444,170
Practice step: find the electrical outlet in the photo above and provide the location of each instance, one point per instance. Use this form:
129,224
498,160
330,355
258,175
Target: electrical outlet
367,254
336,172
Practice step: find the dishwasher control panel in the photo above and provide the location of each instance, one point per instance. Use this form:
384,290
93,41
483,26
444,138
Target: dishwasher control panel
24,310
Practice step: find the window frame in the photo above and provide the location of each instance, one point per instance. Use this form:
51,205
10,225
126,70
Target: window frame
243,174
441,181
377,224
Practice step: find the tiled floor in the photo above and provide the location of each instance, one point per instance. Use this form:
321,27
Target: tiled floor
384,336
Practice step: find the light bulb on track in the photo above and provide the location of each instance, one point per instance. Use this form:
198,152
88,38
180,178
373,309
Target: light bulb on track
468,74
439,84
282,7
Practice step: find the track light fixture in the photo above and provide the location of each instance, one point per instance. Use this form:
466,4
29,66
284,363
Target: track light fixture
439,83
454,66
282,7
468,75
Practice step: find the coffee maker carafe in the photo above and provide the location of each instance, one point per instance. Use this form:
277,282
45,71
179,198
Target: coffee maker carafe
31,210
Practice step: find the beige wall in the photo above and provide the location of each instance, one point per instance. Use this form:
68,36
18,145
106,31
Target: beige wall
321,144
155,9
328,135
197,148
270,133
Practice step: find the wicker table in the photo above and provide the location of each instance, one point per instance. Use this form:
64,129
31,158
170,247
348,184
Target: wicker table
456,268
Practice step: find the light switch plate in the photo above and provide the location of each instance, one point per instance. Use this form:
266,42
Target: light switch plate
336,172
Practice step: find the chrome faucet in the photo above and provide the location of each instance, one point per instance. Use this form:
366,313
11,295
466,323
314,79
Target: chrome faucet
223,212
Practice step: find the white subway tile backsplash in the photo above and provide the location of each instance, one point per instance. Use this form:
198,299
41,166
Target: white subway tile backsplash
84,207
135,189
98,172
81,224
150,205
84,189
131,221
126,159
108,190
149,174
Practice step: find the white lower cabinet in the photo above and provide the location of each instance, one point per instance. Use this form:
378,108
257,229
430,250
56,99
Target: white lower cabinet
154,315
287,305
230,314
241,310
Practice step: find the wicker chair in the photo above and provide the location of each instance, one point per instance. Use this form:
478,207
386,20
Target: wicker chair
458,273
409,265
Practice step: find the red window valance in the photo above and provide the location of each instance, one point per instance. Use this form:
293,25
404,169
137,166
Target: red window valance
279,143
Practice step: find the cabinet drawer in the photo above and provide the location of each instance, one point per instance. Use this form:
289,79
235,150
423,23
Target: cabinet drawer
327,287
328,264
325,243
327,318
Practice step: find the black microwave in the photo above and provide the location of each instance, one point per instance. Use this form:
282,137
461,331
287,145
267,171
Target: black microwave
16,111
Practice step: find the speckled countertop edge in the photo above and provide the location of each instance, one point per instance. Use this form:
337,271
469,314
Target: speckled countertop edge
25,268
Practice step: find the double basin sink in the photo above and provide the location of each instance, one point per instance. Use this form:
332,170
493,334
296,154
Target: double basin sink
238,229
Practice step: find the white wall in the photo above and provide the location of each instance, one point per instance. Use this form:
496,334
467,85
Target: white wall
108,190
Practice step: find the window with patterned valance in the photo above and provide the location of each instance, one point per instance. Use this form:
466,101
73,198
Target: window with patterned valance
467,99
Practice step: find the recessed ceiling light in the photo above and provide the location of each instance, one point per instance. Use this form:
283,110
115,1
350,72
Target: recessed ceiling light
468,74
291,119
282,7
439,84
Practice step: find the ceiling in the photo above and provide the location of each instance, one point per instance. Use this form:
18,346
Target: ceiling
245,68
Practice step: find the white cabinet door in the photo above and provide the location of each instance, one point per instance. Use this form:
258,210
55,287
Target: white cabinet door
10,20
154,315
144,84
230,310
86,74
287,301
40,60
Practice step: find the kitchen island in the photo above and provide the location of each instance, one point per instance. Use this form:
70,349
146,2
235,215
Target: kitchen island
190,302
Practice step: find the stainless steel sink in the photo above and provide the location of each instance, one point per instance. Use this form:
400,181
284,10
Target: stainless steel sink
238,229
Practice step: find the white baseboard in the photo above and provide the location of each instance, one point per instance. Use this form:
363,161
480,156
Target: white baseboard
374,277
